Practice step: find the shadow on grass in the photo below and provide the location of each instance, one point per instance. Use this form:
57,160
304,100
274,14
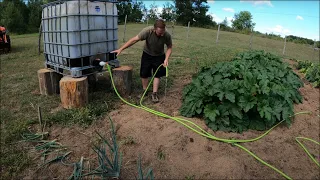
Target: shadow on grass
18,48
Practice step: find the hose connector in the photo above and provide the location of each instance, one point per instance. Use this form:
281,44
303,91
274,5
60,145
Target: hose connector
102,63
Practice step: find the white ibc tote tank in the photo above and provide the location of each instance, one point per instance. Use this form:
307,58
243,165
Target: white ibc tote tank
76,30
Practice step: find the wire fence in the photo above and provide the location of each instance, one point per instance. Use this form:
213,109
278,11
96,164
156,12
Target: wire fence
212,39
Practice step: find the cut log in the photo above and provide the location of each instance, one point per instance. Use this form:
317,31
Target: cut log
48,81
73,92
122,77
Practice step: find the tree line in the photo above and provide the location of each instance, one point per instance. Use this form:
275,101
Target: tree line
302,40
24,16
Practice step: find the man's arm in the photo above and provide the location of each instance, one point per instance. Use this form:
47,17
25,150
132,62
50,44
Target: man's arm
168,54
129,43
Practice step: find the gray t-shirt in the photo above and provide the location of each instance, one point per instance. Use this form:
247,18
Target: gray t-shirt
154,44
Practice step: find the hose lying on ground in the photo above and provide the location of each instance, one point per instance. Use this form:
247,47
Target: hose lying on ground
197,129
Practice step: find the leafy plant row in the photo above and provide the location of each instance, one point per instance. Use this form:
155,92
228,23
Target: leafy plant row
311,71
253,91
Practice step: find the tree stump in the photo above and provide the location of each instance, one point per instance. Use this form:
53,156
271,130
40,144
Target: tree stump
48,81
73,92
122,77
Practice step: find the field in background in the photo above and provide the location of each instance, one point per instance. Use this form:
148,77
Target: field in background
202,41
20,92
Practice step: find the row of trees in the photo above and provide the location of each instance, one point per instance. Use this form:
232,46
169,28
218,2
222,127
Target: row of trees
24,16
21,16
181,12
301,40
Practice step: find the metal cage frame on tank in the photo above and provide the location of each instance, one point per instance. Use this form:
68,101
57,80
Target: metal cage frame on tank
64,47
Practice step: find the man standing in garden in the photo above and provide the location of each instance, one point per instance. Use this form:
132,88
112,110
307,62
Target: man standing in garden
153,54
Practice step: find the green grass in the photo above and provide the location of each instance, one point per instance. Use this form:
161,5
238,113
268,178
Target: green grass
201,48
20,98
190,177
20,89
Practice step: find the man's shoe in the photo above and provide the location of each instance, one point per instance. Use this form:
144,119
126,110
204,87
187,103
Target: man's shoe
155,97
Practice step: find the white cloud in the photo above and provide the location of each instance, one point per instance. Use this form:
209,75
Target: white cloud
211,2
299,18
256,3
216,18
278,29
159,10
228,9
229,19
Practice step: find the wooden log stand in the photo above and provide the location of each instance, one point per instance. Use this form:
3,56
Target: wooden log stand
73,92
122,77
48,81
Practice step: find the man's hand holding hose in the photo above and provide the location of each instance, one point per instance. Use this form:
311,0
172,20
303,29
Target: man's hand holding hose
168,54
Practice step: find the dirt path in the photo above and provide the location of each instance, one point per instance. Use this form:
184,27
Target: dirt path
175,152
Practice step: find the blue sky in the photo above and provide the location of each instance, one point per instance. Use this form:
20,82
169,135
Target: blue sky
299,18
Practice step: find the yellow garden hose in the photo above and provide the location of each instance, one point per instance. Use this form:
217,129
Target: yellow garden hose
197,129
305,149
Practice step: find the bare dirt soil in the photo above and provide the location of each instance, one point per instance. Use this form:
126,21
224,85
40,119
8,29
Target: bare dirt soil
174,152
